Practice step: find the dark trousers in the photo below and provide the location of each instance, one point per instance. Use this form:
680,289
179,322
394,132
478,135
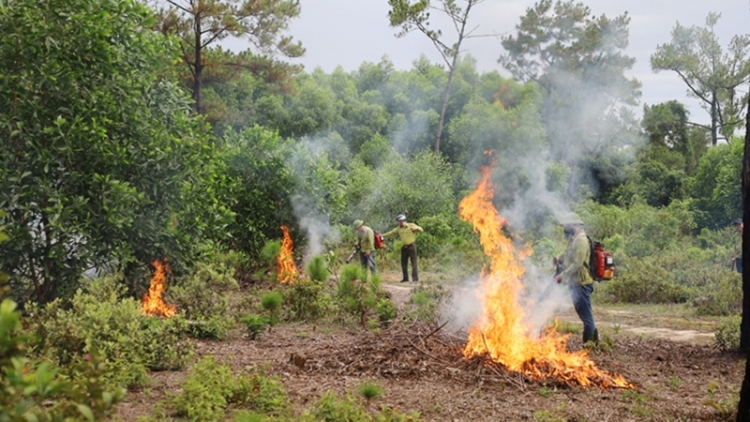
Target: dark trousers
366,261
409,252
581,296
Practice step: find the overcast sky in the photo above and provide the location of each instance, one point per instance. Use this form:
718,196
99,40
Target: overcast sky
347,33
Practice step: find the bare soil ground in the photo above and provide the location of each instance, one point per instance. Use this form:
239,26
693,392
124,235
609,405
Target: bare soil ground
678,374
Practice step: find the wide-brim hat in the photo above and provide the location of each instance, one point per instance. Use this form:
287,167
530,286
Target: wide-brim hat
571,219
357,223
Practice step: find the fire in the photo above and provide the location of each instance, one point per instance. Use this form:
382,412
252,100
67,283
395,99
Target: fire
288,272
501,330
152,303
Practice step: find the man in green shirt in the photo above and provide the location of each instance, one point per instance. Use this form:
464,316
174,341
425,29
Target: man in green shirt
406,232
575,274
365,245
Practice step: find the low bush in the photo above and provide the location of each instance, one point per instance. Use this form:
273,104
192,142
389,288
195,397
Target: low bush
359,292
332,408
306,299
271,303
129,342
210,388
255,324
203,299
727,336
723,297
34,390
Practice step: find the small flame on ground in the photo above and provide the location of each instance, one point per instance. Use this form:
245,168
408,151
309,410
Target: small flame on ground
501,330
288,271
152,302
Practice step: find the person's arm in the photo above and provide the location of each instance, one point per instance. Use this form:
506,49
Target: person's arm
391,233
415,228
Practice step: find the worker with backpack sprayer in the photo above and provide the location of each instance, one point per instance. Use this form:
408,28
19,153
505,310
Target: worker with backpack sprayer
365,245
576,275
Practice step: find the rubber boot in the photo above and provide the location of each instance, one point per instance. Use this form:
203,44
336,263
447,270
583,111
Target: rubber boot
596,336
587,338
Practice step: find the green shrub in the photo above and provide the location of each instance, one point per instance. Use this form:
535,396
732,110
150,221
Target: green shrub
255,324
317,270
35,390
210,388
330,408
727,336
425,301
386,310
358,296
306,300
203,298
270,252
370,390
722,298
645,282
271,302
129,342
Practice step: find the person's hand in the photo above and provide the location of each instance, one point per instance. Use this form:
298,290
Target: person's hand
558,279
367,254
413,229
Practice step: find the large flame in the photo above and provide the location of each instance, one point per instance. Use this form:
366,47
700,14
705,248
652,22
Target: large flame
288,271
152,303
502,331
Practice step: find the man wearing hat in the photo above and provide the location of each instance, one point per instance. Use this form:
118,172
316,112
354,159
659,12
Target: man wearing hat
406,233
365,245
575,273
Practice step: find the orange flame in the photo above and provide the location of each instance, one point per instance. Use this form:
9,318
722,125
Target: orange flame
288,272
152,303
502,331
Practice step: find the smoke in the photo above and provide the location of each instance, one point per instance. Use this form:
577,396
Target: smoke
312,199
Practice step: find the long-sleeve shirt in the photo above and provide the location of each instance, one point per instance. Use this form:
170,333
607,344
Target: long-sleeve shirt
366,239
406,233
576,261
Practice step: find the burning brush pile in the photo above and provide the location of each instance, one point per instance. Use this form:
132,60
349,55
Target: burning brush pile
502,332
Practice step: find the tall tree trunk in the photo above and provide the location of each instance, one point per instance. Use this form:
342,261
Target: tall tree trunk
198,81
446,97
451,73
743,408
714,119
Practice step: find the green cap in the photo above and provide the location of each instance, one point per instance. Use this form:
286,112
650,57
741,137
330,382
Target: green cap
358,223
571,218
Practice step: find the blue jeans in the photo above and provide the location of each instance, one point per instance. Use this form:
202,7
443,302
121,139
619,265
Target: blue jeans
581,296
365,261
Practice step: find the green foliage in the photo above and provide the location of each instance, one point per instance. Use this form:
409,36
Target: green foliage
330,408
211,387
261,185
578,60
386,310
255,324
359,292
416,186
370,390
271,302
203,298
307,299
101,320
35,390
716,187
711,75
425,301
100,162
317,269
727,336
270,252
